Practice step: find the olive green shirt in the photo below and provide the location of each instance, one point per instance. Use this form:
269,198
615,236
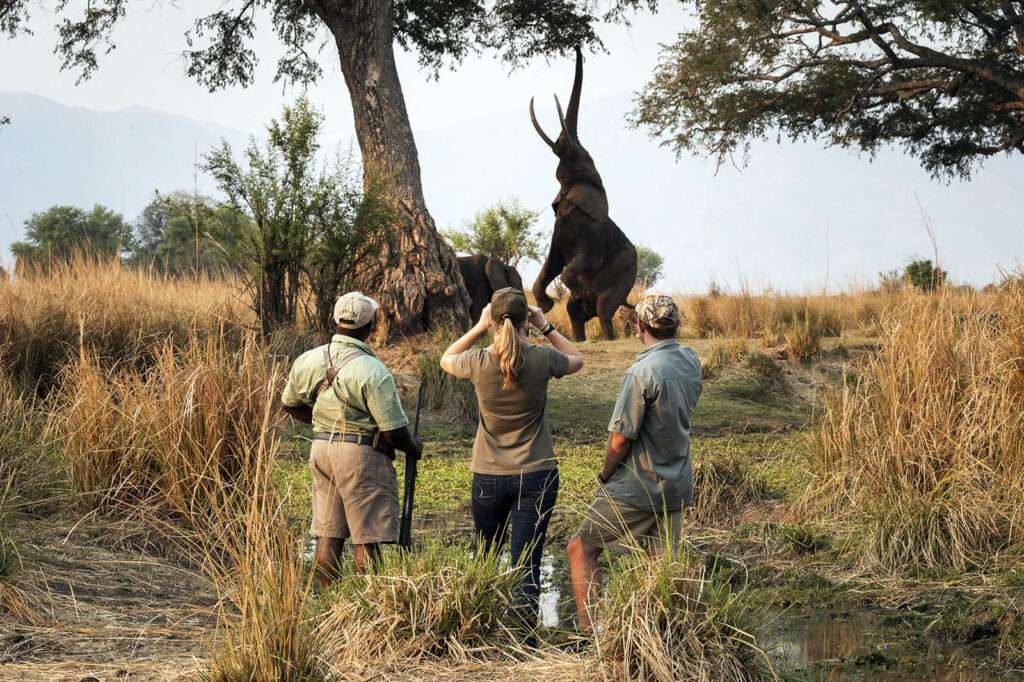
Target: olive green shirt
653,410
512,437
363,398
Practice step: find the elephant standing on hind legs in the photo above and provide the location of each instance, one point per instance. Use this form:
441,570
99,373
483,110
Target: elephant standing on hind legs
595,259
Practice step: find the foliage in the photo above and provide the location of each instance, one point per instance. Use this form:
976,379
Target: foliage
311,226
62,233
649,266
219,47
346,226
944,80
505,232
168,238
921,274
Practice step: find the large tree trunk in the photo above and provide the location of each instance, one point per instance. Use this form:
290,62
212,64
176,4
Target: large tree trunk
415,275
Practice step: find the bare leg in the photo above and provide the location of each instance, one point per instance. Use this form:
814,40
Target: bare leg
586,574
366,555
328,560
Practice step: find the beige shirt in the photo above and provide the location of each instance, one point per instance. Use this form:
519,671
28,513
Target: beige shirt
364,397
512,437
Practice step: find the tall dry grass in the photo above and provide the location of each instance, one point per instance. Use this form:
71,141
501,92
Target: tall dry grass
118,313
172,439
663,620
923,450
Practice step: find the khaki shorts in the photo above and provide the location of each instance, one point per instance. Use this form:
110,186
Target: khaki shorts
621,528
355,493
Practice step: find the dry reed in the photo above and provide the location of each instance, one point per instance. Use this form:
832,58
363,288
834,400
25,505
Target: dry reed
663,620
924,450
118,313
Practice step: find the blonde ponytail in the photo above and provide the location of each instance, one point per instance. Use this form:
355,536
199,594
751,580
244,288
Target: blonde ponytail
511,356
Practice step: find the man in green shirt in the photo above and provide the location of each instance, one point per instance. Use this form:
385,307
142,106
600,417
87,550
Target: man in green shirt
350,398
647,477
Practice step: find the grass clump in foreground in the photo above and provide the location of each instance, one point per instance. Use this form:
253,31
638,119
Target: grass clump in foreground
924,452
664,620
440,601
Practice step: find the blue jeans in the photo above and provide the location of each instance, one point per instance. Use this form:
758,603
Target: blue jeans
524,502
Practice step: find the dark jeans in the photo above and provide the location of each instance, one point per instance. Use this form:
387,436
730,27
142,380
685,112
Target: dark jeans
524,502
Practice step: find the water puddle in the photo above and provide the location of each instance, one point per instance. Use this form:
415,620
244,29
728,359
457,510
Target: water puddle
860,647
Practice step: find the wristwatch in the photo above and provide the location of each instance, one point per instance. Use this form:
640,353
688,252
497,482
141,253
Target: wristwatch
548,328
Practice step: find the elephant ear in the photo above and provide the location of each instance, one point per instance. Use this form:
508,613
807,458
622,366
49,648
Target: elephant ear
591,200
497,274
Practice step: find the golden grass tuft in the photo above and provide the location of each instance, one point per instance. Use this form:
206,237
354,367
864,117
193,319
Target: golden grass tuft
664,620
924,449
443,601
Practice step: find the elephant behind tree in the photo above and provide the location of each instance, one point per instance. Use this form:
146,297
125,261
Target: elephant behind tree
483,276
595,259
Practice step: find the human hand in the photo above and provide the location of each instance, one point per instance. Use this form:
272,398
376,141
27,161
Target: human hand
485,322
418,452
536,318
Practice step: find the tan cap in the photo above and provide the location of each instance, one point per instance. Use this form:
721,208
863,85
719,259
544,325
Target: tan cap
509,303
354,310
658,311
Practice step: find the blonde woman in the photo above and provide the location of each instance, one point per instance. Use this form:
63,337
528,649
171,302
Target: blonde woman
515,473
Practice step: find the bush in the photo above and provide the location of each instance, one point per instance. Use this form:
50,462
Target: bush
664,621
803,339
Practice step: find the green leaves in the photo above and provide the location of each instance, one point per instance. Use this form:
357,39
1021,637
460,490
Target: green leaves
505,232
943,80
62,233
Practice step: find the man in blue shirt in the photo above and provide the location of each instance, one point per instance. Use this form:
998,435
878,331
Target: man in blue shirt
647,477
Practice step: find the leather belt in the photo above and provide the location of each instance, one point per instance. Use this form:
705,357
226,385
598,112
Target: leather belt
344,438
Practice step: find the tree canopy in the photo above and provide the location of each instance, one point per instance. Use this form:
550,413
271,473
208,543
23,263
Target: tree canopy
504,231
218,48
649,266
62,233
943,79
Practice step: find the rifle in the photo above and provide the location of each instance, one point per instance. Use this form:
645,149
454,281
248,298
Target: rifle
405,524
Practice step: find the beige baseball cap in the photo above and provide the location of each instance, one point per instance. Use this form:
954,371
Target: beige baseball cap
354,310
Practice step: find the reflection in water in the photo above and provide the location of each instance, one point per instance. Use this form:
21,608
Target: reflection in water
860,639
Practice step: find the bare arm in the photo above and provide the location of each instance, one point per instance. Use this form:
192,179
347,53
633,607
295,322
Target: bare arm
402,439
466,341
302,413
558,342
618,448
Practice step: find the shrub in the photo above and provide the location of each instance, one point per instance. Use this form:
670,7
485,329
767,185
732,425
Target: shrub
924,451
803,339
664,621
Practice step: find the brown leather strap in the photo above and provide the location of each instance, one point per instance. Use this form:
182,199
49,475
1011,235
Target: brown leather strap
332,371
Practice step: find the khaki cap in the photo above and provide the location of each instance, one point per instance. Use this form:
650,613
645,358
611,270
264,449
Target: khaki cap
509,303
658,311
354,310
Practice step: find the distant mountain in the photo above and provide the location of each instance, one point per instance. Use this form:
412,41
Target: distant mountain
55,154
798,216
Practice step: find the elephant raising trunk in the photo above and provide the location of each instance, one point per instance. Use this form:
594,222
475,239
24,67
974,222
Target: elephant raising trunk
595,259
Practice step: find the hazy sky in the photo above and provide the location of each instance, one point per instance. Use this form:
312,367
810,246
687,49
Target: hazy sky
795,215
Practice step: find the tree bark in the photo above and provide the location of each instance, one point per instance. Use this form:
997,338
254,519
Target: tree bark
415,274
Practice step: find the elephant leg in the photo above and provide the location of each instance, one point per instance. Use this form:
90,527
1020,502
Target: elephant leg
552,267
608,304
577,309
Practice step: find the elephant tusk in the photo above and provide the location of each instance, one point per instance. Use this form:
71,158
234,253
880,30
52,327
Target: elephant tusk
561,119
536,126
